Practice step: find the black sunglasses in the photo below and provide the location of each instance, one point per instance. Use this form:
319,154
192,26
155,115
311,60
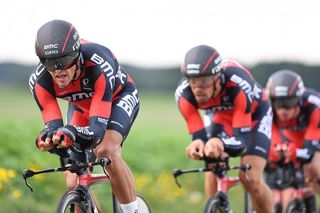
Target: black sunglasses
285,103
60,63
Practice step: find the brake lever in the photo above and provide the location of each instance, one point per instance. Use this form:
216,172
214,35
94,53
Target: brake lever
103,163
176,173
246,168
26,174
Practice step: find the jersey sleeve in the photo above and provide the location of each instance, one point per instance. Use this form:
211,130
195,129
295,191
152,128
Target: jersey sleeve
189,111
44,96
313,129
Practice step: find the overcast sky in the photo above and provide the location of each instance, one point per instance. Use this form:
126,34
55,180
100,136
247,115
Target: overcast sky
159,32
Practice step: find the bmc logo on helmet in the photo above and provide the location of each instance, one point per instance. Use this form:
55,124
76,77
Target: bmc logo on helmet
193,68
50,46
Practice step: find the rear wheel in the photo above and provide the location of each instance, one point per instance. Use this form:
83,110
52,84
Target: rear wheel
70,202
296,206
215,205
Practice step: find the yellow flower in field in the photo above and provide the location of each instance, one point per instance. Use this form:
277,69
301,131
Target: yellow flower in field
3,175
16,194
11,173
6,174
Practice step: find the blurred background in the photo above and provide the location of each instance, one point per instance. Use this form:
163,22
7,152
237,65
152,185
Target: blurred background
149,38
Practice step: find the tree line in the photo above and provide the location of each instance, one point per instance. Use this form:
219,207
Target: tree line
165,79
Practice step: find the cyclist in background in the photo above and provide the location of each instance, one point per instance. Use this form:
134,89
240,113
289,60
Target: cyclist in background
296,125
103,102
241,120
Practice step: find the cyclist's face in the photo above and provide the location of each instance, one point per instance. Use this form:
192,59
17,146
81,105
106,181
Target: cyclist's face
65,76
286,114
204,88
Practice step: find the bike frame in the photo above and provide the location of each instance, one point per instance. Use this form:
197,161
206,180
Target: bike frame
224,182
87,180
227,182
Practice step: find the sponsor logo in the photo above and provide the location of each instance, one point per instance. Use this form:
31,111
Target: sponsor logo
222,108
50,46
193,68
261,149
314,100
117,123
266,124
180,89
103,120
34,77
51,49
84,130
121,76
105,66
218,65
281,91
78,96
128,102
247,88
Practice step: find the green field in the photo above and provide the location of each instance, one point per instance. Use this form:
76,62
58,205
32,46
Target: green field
155,146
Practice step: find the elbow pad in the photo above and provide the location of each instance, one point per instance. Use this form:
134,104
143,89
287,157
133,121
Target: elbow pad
304,155
234,146
90,136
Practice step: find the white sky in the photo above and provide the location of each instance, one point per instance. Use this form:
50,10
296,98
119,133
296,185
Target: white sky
159,32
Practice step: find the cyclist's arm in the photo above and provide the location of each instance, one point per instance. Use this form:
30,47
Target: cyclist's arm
311,137
193,119
241,125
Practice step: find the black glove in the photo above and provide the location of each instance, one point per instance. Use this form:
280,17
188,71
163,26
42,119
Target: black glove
45,133
66,134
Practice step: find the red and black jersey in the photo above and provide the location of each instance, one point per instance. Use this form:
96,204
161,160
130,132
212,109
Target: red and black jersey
101,81
303,129
241,104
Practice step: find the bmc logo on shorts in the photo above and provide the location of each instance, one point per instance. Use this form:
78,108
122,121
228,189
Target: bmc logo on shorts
128,102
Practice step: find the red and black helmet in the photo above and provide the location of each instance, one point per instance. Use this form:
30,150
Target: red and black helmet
57,44
201,61
285,88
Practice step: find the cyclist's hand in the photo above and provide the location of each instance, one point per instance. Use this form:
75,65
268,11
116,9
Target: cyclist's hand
44,140
214,148
65,136
289,151
195,149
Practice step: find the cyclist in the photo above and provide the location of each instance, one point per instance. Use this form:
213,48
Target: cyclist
241,118
103,102
296,122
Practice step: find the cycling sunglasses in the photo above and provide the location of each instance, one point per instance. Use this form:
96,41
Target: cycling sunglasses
285,103
60,63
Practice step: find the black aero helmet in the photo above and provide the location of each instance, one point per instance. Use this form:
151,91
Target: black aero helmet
285,88
57,44
201,61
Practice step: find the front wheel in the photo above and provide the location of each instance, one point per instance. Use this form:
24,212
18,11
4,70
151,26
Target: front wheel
142,205
71,202
215,205
296,206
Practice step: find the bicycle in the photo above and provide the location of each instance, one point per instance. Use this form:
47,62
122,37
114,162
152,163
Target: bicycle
304,198
80,197
289,174
220,166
